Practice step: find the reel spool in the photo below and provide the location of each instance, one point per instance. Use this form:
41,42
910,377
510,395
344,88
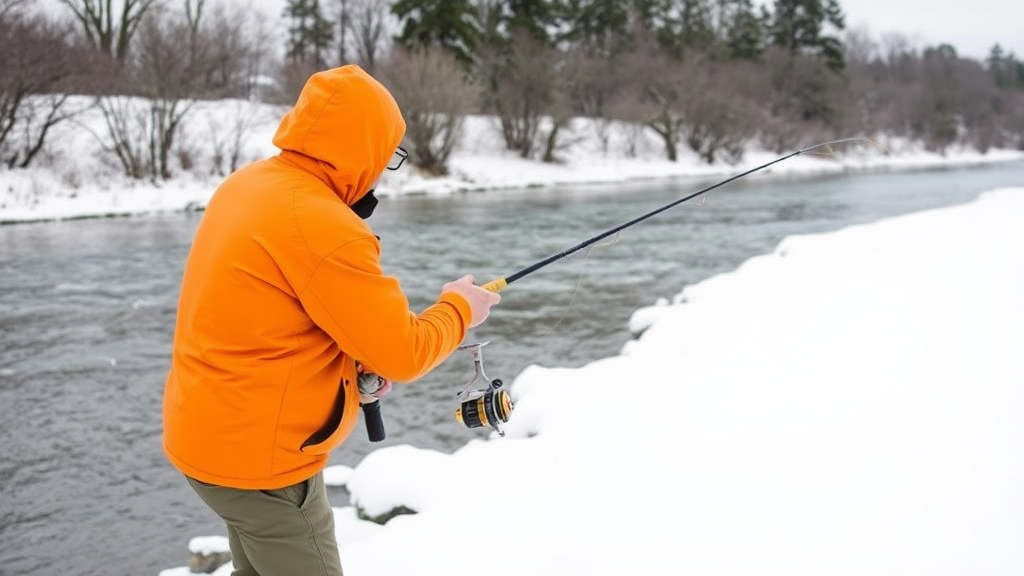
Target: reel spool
488,406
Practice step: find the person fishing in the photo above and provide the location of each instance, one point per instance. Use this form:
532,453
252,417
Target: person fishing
283,309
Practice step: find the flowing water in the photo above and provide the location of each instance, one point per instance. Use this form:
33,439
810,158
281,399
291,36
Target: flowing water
87,309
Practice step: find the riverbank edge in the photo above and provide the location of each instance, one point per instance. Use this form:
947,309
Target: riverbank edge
192,195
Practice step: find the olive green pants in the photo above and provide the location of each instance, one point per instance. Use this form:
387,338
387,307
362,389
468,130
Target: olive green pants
284,532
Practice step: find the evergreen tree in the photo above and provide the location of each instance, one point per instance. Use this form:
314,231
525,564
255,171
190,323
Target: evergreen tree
600,26
655,19
1006,69
695,27
800,25
536,17
445,23
677,25
310,34
742,29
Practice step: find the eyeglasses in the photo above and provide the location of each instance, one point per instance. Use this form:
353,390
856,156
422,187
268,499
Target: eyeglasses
398,158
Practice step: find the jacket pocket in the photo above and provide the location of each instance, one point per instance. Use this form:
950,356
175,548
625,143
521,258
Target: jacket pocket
342,418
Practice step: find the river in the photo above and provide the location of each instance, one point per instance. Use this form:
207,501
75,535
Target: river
87,310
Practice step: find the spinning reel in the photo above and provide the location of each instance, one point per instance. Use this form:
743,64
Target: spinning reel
487,406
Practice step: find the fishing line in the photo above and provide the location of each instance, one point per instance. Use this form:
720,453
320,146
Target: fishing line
579,284
499,284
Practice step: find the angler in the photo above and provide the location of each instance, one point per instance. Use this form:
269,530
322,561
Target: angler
286,324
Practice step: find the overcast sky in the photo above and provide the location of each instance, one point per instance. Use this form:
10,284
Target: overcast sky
972,27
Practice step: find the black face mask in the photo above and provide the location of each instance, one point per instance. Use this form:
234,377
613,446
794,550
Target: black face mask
364,206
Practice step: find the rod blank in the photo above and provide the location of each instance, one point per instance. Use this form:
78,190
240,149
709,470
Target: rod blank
499,284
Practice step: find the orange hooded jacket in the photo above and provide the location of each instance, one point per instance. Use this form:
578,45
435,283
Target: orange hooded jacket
283,293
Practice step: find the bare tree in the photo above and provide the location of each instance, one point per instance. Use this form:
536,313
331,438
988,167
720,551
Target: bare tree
1015,120
165,73
664,115
38,63
8,7
718,113
861,108
228,134
559,117
291,77
225,50
655,97
110,26
521,79
434,94
168,81
368,23
594,83
343,23
127,132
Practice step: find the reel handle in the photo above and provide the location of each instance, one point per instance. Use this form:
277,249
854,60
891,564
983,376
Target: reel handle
374,421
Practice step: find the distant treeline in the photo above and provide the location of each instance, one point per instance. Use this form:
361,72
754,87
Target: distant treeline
715,76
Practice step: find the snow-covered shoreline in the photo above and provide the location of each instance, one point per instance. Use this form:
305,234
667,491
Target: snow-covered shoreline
85,183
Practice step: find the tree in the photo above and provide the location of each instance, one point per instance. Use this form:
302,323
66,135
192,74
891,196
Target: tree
344,24
362,26
224,50
520,85
742,29
521,69
594,84
718,115
695,27
159,83
445,23
676,25
107,28
600,27
40,62
309,35
798,97
434,94
8,7
800,26
534,17
1005,68
656,93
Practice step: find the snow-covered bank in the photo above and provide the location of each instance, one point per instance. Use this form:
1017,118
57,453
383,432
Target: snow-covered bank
81,179
849,404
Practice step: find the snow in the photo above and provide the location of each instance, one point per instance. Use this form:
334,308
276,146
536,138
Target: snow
992,23
207,545
81,178
847,404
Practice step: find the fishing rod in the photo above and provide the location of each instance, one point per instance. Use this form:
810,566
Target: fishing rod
491,405
499,284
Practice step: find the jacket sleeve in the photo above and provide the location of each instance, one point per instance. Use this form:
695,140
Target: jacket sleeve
368,315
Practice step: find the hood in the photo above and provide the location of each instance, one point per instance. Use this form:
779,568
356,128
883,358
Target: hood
349,124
